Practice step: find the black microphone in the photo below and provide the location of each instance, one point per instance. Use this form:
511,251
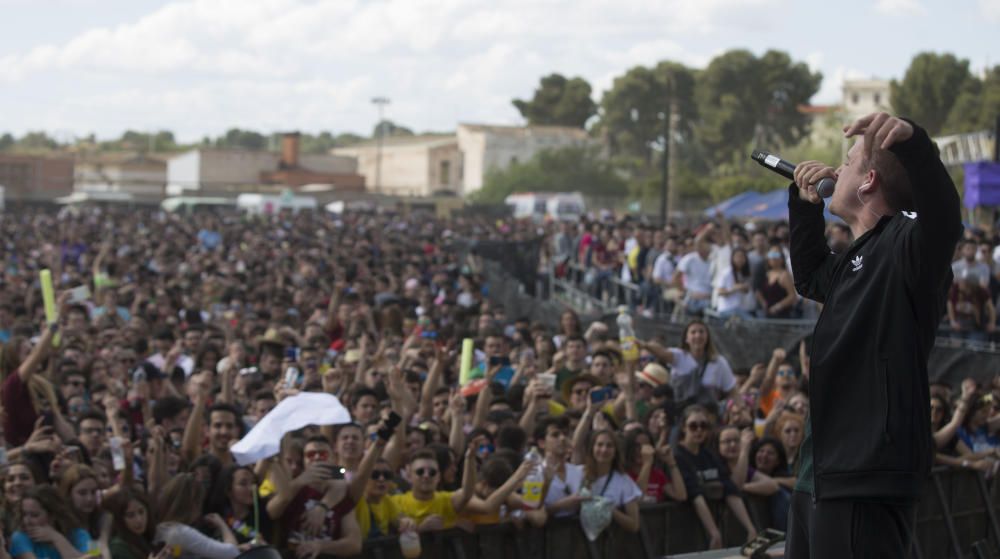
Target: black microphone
824,188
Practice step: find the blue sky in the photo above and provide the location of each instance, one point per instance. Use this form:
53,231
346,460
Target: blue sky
198,67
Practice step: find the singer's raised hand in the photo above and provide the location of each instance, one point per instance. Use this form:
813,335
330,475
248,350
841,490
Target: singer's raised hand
880,129
807,174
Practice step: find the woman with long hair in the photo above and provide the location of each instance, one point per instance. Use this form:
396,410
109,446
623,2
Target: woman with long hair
48,527
604,474
734,289
78,486
768,458
654,483
569,326
17,476
232,499
790,429
777,296
705,475
19,361
132,536
699,375
177,508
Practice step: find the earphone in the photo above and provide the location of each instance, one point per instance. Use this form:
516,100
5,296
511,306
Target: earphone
865,206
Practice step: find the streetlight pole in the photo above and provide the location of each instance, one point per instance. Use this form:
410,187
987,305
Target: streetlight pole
379,102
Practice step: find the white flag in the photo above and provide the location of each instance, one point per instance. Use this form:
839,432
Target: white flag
292,414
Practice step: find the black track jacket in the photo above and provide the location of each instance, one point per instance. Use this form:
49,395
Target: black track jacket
883,300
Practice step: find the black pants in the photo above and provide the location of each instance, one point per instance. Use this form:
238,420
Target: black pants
847,528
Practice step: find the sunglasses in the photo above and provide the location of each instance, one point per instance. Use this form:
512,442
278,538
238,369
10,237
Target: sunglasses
317,455
698,426
786,373
381,475
426,472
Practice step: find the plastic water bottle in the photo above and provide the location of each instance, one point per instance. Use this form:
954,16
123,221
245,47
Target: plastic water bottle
626,335
535,481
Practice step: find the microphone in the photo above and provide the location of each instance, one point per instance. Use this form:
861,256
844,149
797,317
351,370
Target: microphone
824,188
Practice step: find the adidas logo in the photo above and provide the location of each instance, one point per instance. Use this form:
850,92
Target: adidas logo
857,263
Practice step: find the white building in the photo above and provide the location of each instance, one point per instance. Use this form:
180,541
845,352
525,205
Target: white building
215,170
430,163
486,148
863,97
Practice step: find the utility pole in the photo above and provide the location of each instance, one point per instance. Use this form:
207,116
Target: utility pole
379,102
668,196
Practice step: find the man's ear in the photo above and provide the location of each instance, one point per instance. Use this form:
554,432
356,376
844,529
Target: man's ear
872,182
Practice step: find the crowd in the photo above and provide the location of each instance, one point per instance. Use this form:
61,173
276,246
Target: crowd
176,334
741,270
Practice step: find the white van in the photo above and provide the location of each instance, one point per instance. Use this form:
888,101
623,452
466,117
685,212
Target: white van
271,203
562,206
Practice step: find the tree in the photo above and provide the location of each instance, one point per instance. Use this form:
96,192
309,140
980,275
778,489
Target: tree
245,139
6,142
574,169
37,141
632,110
977,105
559,101
744,99
390,129
929,89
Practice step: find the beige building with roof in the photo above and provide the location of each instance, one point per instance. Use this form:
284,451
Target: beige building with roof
457,163
144,176
411,165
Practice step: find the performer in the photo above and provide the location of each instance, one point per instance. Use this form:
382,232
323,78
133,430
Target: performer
868,443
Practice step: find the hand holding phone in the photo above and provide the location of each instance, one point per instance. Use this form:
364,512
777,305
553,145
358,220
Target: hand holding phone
391,422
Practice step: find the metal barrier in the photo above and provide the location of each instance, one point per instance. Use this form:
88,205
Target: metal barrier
956,518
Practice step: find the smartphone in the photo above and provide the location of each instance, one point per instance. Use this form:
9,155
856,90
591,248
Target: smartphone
48,419
79,294
600,395
429,335
292,353
336,472
390,425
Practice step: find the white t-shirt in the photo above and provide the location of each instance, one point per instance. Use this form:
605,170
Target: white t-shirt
620,490
663,268
561,488
735,300
718,374
697,276
959,268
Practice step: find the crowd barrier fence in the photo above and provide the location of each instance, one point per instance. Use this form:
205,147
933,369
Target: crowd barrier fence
955,518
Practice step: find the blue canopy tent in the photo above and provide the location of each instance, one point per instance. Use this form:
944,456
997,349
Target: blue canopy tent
771,206
982,184
729,205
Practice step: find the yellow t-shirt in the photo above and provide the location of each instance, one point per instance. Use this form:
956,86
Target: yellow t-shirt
382,513
418,510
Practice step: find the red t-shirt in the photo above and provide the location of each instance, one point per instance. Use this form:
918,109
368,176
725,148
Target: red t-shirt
19,412
658,482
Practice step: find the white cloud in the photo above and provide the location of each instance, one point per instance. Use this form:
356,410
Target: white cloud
900,7
990,9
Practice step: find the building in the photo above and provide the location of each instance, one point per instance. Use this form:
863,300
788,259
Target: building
410,165
863,97
455,163
488,148
35,178
141,175
826,125
231,171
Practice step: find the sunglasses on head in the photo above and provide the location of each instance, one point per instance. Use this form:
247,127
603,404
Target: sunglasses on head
426,472
698,426
382,475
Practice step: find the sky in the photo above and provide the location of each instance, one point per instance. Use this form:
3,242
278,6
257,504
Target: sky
200,67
